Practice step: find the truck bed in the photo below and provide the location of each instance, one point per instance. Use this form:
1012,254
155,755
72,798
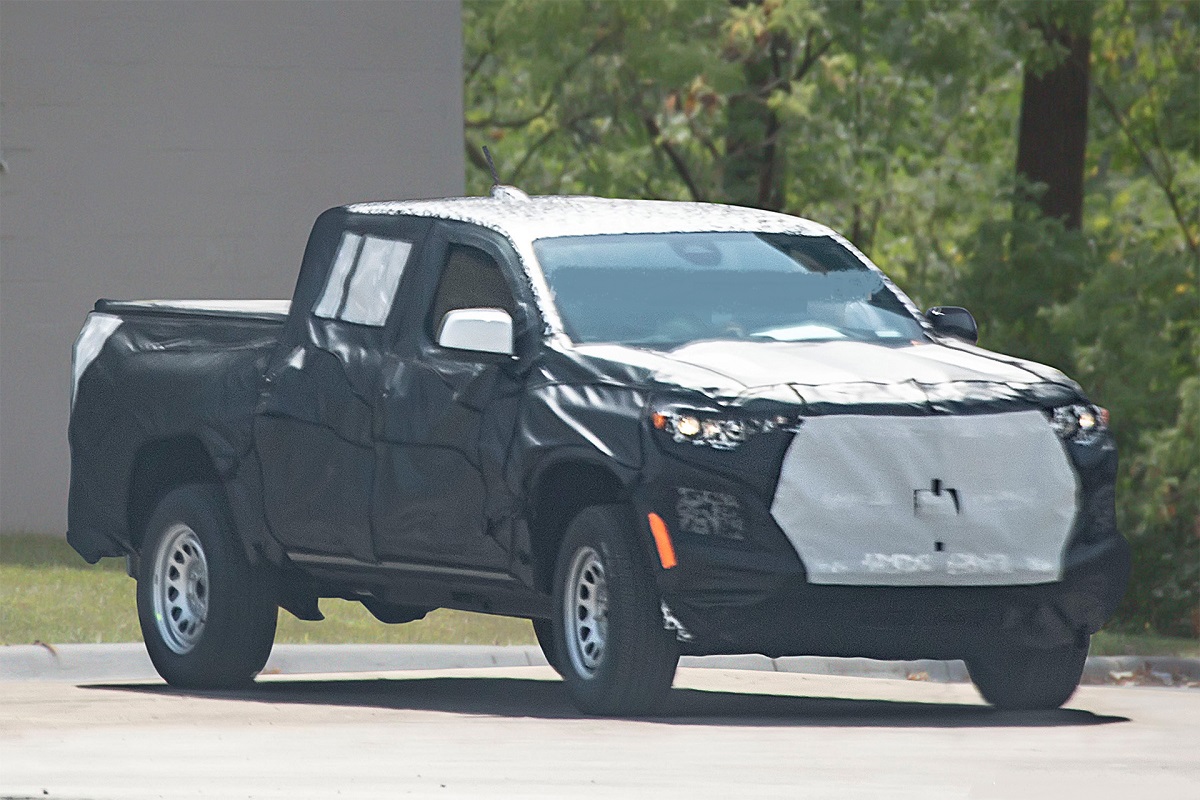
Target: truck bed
170,376
264,310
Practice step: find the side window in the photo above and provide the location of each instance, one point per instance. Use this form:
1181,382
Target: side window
335,287
470,279
362,283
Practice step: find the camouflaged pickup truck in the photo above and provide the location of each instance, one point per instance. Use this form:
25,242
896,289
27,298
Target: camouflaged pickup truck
652,428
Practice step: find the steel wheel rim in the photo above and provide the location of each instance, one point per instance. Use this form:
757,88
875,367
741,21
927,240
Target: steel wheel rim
585,609
180,589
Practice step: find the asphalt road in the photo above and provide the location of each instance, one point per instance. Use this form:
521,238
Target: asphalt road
511,732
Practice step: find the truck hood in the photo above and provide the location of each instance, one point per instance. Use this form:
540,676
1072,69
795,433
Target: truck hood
846,373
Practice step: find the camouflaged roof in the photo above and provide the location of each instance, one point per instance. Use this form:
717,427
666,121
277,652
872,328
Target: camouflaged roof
522,218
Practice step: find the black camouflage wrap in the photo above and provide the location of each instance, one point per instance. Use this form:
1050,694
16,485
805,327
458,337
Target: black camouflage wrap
368,459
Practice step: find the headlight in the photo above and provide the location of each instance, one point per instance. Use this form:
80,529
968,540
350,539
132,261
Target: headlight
1079,423
720,430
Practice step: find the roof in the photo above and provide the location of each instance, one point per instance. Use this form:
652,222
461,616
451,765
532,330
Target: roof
522,218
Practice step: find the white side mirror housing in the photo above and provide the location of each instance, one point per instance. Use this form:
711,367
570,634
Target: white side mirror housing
484,330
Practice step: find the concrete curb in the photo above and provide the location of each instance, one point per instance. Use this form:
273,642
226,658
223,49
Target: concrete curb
1151,670
129,662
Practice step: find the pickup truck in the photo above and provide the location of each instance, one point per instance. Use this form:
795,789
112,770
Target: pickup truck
652,428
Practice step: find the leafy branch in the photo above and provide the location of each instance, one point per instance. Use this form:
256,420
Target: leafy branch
1163,176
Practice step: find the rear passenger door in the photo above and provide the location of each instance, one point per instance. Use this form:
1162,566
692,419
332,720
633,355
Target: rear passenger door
447,417
315,426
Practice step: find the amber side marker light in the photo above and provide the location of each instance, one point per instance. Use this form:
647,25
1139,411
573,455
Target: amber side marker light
662,540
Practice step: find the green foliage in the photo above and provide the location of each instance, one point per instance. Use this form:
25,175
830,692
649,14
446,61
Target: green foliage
1161,517
896,124
1110,642
590,96
1135,322
1146,70
1136,329
1015,269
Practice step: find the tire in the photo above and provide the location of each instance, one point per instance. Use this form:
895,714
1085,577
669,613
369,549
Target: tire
616,657
207,616
1026,679
543,629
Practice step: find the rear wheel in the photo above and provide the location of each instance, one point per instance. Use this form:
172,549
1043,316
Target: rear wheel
1024,678
207,616
613,652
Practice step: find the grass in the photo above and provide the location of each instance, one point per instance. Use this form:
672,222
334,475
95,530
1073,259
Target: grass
1109,643
49,594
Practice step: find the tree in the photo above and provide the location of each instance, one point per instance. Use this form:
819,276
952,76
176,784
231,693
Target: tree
1052,134
1135,322
611,98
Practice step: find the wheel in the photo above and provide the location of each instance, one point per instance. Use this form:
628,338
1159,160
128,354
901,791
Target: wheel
543,629
616,657
207,616
1025,678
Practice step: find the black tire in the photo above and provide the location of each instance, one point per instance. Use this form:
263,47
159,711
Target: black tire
207,616
1026,679
543,629
616,657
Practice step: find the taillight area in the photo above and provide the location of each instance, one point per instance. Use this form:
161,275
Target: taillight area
95,333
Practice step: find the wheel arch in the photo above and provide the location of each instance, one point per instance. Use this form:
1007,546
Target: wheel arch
158,467
561,489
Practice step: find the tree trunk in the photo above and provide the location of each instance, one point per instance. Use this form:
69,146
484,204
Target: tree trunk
1053,130
754,153
753,172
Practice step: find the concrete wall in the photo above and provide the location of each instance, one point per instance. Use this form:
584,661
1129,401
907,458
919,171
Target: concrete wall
182,150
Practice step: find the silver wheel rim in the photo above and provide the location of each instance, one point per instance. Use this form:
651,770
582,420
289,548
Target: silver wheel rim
585,607
180,589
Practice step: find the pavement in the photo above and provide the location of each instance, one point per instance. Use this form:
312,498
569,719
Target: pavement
513,732
83,663
94,722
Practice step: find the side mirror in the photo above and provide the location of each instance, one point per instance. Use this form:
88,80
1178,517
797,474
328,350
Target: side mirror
953,321
484,330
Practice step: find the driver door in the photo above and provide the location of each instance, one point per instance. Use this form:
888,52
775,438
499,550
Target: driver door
446,417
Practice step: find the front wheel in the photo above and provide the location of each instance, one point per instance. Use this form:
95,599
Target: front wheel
543,629
1025,678
612,650
207,616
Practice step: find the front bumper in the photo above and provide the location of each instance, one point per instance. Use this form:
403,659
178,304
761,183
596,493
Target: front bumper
740,586
729,610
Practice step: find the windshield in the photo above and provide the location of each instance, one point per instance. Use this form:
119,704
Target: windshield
665,290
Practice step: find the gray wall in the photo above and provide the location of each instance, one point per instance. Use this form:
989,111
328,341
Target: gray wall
182,150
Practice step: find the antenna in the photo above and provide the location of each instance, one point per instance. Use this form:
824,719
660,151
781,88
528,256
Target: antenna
491,165
499,191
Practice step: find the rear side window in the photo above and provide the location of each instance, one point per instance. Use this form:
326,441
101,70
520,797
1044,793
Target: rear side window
363,280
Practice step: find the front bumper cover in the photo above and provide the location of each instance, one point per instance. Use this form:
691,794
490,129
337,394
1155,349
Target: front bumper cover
740,587
729,610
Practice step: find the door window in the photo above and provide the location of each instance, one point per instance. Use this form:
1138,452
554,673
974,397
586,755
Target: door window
470,279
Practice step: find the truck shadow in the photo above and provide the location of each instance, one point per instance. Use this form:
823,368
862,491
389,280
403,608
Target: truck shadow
548,699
